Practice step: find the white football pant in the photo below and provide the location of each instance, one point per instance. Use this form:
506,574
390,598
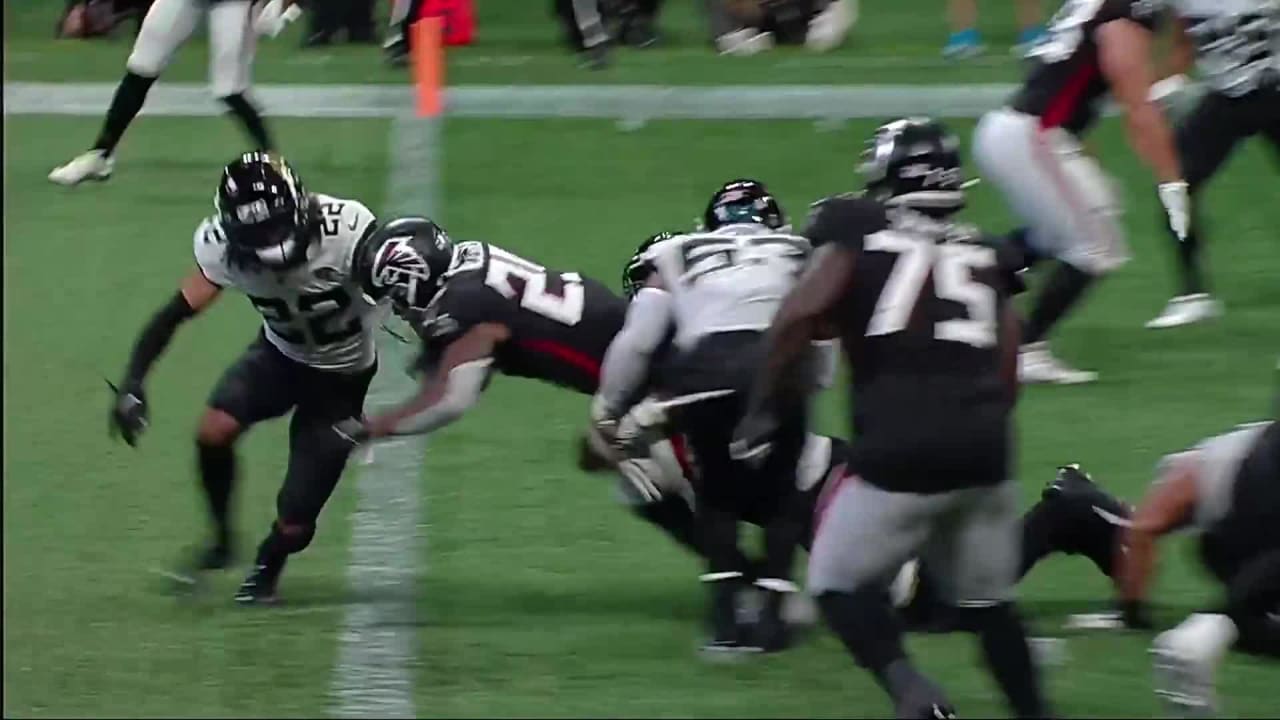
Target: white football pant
232,41
1059,191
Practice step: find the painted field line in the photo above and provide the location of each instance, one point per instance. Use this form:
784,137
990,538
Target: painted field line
647,102
374,673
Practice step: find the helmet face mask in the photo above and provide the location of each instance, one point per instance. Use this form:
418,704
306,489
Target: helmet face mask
743,201
638,269
265,213
410,258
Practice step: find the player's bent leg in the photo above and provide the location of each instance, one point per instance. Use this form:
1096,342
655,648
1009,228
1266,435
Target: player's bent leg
317,458
975,563
862,537
231,48
1204,140
165,27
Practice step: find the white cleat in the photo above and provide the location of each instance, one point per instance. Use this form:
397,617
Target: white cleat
1037,365
828,29
744,42
1183,681
92,165
1186,310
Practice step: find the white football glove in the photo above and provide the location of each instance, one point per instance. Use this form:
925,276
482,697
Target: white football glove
1177,204
1162,89
273,18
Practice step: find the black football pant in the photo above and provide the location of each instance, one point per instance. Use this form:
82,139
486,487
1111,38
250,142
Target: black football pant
730,491
264,384
1205,139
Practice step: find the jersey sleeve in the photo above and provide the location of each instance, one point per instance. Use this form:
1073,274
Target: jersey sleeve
464,303
210,252
844,222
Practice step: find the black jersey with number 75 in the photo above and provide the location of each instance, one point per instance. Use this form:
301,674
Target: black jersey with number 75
920,324
561,323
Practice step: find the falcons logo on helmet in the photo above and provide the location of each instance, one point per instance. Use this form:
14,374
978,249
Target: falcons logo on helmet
401,270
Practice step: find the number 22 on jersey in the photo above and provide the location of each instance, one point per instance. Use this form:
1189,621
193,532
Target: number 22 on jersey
952,266
565,308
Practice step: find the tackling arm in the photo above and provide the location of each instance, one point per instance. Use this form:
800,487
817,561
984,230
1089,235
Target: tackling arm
626,363
1167,507
450,391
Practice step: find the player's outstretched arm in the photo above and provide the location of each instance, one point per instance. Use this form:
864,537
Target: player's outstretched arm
129,411
1124,51
447,394
626,362
1168,506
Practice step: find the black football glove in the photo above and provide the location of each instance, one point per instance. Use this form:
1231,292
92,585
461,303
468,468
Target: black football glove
753,438
352,430
128,418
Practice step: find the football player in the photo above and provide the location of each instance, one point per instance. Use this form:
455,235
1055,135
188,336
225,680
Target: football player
297,257
233,27
479,309
715,292
1031,151
1236,44
920,302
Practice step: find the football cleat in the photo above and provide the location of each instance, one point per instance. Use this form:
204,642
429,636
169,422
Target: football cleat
1036,364
1186,310
1069,479
747,41
964,44
1183,681
829,28
595,57
91,165
925,701
259,588
186,577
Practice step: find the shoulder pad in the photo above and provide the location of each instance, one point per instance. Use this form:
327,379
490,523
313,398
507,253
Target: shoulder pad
844,220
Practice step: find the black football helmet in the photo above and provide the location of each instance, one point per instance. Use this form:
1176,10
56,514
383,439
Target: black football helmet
406,260
264,211
914,162
637,271
743,201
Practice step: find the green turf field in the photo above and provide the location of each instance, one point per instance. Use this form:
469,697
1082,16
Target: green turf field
539,595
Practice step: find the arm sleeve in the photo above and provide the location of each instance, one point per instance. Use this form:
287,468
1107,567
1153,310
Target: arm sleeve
626,363
465,383
154,338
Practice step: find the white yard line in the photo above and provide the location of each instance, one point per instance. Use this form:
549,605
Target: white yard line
628,102
374,673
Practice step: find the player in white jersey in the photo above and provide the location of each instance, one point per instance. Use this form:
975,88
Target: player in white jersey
303,261
1235,45
233,29
716,291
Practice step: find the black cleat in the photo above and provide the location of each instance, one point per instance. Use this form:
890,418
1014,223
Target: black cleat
1071,479
259,588
595,57
638,32
924,701
771,633
195,564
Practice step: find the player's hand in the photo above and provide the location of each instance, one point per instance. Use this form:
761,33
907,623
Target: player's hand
753,438
1177,205
274,17
352,430
128,418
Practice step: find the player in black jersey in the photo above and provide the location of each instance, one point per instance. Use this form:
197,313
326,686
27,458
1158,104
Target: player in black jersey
1031,151
1236,45
921,307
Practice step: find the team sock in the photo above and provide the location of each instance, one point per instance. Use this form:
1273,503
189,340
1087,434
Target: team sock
217,476
674,516
249,117
1189,262
1004,646
131,93
866,625
1063,290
